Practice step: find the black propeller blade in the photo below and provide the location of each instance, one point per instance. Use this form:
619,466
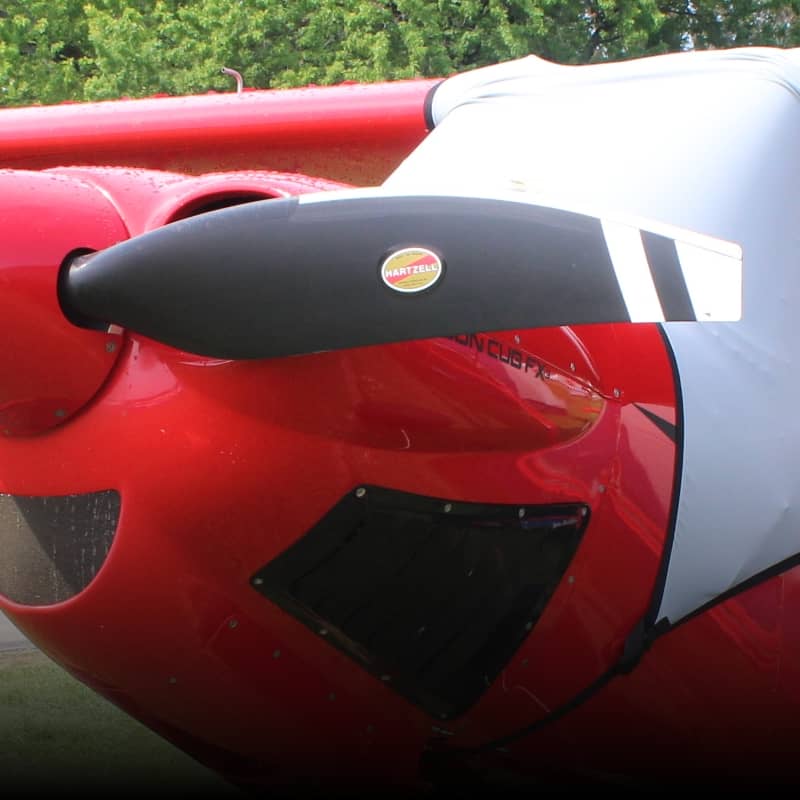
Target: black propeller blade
347,269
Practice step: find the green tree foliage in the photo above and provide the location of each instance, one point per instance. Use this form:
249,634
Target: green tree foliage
96,49
42,51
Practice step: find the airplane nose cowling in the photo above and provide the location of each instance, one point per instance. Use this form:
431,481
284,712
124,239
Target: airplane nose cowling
49,368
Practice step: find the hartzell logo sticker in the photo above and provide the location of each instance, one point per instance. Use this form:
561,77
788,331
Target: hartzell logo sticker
412,269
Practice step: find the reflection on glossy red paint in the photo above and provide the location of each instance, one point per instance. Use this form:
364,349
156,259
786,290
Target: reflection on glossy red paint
223,465
219,478
357,133
49,368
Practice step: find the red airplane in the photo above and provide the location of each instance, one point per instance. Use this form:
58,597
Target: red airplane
417,436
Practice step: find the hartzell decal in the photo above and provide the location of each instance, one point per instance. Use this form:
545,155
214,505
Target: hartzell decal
412,269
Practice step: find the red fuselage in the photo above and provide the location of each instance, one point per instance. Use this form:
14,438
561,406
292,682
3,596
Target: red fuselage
221,466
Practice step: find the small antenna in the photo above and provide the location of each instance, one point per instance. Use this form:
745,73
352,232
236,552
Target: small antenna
235,74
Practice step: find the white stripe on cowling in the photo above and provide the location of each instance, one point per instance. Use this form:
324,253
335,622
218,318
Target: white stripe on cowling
632,269
714,281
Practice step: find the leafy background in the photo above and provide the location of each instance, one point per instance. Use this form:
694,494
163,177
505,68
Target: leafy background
102,49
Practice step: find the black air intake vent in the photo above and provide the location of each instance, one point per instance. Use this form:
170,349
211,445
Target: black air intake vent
431,596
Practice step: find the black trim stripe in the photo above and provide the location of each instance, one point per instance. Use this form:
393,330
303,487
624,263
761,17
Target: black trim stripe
663,425
650,617
760,577
665,267
647,631
427,108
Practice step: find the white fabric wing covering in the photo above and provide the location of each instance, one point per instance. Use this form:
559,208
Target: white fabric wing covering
707,142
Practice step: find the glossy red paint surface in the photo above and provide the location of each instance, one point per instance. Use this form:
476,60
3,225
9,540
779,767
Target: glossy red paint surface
223,465
217,480
227,464
146,199
49,369
352,132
